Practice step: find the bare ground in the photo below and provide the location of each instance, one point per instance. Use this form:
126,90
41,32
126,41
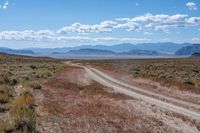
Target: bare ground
150,85
72,102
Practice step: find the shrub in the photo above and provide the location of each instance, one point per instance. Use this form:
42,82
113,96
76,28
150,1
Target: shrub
22,113
24,119
10,81
189,82
26,100
4,98
4,108
33,66
6,127
13,82
37,87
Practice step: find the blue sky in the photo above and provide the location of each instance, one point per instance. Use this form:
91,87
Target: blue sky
62,23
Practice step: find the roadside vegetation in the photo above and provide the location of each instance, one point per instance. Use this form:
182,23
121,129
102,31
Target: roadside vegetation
182,73
20,77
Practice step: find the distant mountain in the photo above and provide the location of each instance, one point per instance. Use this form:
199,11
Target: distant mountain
189,50
50,50
14,51
168,47
91,52
196,55
109,52
140,52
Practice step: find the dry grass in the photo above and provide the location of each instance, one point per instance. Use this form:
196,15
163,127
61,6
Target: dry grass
27,72
26,100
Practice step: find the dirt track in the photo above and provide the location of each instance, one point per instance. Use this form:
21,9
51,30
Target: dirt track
71,101
121,87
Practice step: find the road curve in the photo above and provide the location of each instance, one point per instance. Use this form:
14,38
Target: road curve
132,91
150,93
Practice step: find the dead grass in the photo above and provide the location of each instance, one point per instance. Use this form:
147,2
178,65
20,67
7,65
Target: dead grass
26,100
27,72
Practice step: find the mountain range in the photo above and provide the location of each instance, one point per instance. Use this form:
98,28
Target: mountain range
189,50
17,52
108,52
168,48
119,49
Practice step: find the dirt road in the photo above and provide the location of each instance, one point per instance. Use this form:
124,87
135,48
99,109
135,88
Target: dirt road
81,99
135,92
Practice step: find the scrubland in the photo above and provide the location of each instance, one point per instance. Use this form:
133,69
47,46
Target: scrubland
20,76
47,95
182,73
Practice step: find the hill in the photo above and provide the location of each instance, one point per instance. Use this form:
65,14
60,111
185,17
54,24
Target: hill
167,47
14,51
91,52
189,50
141,52
196,55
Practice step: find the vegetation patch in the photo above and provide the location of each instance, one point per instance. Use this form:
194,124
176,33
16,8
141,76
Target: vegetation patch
27,72
183,73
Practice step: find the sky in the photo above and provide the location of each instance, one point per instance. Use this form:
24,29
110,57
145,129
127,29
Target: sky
64,23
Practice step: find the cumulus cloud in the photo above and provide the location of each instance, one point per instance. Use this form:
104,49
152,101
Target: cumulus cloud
5,5
105,26
47,35
196,39
161,22
27,35
191,5
76,32
193,21
129,26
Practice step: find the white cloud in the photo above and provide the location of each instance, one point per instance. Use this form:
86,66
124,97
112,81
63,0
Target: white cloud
105,26
193,21
27,35
47,35
160,22
129,26
76,32
5,5
191,5
196,40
